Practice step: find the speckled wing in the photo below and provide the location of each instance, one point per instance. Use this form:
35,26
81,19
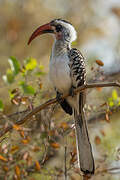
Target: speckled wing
84,149
77,67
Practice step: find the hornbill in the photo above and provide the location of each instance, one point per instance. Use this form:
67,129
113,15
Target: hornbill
67,72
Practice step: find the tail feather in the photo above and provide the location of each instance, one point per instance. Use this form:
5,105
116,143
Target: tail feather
84,148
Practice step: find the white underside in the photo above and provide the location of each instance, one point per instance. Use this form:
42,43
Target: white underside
59,75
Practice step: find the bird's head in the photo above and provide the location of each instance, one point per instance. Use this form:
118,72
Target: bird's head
61,29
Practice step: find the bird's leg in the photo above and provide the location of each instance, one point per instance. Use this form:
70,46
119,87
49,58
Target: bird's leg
71,91
59,96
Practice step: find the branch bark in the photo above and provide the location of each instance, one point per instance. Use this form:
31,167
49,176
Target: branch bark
54,100
65,163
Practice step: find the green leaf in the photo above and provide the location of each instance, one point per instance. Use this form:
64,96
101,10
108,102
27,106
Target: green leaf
74,43
114,94
1,105
27,88
9,77
14,64
30,64
40,73
118,101
11,95
111,103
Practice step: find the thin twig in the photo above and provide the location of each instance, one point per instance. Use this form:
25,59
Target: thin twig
65,163
113,170
54,100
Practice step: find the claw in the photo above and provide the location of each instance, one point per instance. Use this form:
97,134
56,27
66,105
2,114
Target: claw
71,92
59,97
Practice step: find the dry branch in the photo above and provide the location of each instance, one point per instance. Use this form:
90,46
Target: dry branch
65,163
54,100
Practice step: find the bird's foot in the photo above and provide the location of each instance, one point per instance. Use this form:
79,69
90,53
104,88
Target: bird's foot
59,97
71,92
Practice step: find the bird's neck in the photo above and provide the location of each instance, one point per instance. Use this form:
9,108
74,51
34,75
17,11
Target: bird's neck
60,47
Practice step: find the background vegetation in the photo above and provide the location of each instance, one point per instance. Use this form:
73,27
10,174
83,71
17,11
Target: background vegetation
44,147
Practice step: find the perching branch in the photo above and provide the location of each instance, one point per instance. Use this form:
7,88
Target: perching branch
54,100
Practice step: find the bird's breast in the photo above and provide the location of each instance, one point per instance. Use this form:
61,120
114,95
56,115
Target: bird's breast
59,73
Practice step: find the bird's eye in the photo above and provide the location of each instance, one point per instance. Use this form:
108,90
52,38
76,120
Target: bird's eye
58,28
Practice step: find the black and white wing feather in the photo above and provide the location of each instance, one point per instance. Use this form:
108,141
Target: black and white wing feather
77,67
78,76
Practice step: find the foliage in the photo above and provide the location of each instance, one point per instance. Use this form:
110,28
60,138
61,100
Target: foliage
15,155
36,150
30,148
30,67
34,145
1,105
114,100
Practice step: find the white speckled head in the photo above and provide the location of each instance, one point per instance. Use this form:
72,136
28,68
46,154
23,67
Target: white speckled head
64,30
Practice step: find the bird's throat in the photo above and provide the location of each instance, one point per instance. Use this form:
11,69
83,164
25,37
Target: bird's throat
60,47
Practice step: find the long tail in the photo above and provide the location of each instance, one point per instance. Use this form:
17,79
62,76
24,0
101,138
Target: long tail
84,149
